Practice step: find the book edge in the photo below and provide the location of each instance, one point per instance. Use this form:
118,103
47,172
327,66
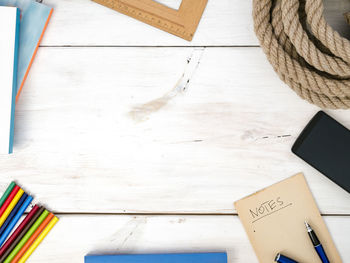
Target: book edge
14,82
33,56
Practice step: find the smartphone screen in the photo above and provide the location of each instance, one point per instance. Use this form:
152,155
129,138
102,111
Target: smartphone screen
325,145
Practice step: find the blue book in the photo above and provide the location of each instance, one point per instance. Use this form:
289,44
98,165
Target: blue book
159,258
34,19
9,38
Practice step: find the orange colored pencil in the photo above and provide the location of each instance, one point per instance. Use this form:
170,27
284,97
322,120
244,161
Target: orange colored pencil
32,238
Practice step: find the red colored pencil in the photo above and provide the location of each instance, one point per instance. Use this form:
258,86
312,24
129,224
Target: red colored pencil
18,230
9,199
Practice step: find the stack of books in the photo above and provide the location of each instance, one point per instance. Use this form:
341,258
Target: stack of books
22,26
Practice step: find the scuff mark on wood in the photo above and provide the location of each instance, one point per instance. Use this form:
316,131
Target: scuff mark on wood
129,233
274,137
142,112
131,229
189,141
254,136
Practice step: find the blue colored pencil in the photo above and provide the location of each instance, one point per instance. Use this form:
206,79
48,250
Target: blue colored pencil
15,218
13,213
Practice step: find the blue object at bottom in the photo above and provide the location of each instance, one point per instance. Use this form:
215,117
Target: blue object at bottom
159,258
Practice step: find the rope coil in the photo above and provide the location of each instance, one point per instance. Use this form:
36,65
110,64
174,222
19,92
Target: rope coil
316,64
347,17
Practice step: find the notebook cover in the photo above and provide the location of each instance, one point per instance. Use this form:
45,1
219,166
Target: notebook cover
9,39
274,220
34,19
159,258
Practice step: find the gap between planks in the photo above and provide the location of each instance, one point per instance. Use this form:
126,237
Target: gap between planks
166,214
141,46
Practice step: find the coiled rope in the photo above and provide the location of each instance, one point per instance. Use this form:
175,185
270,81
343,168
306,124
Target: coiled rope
316,64
347,17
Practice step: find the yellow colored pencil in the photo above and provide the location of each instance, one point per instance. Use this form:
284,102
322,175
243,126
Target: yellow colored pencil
11,206
37,241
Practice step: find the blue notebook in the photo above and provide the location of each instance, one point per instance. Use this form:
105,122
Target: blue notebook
159,258
9,37
34,19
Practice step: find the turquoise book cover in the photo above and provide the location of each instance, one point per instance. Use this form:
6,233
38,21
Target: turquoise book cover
159,258
34,19
9,40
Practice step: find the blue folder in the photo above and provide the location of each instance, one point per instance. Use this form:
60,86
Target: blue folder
159,258
34,18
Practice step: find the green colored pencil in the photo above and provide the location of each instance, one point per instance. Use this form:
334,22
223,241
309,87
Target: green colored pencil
27,236
7,193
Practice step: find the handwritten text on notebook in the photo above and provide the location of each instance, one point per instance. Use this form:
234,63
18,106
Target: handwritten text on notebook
267,208
274,221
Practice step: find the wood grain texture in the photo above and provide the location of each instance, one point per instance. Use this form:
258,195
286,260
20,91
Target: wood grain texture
104,130
77,236
224,23
83,22
181,22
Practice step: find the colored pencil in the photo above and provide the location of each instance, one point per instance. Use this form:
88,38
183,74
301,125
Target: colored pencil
7,193
9,199
15,219
11,206
38,240
32,238
22,229
13,213
27,236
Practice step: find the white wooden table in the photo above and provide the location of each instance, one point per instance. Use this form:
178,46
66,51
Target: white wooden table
133,162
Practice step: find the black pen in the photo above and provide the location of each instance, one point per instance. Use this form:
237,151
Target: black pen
317,244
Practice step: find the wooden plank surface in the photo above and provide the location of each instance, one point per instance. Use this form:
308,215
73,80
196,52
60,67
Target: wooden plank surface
119,117
160,234
224,23
83,22
104,130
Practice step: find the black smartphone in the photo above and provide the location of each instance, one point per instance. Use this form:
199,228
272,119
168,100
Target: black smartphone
325,145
